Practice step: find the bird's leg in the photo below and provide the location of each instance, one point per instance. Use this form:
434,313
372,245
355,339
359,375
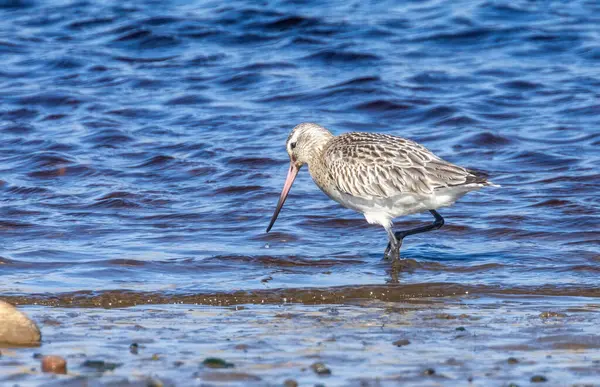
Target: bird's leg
392,251
437,223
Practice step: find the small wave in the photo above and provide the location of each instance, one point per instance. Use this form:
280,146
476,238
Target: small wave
519,85
11,225
19,129
260,162
338,56
356,82
552,203
281,261
90,23
156,161
237,189
131,59
133,35
488,139
382,105
291,22
50,99
72,170
190,99
109,137
115,203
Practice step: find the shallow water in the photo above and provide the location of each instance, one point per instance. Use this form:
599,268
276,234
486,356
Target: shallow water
143,143
474,341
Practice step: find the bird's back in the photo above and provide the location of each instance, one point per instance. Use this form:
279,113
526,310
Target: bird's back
377,165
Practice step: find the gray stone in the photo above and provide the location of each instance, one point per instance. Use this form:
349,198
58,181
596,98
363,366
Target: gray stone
16,328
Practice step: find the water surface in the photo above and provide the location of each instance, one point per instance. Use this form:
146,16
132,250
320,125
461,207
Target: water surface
142,143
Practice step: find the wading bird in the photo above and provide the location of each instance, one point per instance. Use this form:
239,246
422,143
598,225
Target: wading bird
379,175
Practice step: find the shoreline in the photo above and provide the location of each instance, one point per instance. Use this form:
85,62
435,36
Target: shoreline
462,340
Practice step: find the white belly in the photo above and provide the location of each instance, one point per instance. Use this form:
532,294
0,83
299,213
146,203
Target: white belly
378,210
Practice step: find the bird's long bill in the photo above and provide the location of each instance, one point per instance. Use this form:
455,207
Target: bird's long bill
289,180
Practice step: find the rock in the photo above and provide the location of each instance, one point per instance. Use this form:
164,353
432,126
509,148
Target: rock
215,362
290,383
429,372
401,343
538,379
151,382
54,364
320,369
100,365
17,328
462,329
546,315
453,362
133,348
512,360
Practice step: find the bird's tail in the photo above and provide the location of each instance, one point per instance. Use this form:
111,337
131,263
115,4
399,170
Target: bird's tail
480,177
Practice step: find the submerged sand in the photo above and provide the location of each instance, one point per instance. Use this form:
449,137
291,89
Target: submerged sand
474,340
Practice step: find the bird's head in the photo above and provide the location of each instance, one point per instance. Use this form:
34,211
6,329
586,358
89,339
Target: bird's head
305,142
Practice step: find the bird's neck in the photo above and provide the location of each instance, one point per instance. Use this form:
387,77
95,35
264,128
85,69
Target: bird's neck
316,145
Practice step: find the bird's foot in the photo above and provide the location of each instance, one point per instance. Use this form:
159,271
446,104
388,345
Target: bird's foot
392,253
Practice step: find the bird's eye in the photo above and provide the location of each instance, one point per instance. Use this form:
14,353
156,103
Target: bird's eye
293,145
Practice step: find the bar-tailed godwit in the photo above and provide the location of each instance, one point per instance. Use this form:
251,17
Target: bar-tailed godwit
379,175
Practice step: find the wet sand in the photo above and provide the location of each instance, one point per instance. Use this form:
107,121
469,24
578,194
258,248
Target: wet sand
475,340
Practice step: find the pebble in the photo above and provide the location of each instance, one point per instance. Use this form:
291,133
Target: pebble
552,314
401,343
320,369
215,362
100,365
538,379
17,328
54,364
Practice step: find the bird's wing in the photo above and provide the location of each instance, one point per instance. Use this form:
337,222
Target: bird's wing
379,165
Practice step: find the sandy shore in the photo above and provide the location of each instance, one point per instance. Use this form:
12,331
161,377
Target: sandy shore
450,341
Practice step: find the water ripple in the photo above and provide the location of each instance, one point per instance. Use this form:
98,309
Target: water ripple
142,146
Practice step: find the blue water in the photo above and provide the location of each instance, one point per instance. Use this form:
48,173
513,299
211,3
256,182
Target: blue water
142,142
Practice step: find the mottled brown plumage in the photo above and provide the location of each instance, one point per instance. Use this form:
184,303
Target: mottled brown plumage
373,164
380,175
